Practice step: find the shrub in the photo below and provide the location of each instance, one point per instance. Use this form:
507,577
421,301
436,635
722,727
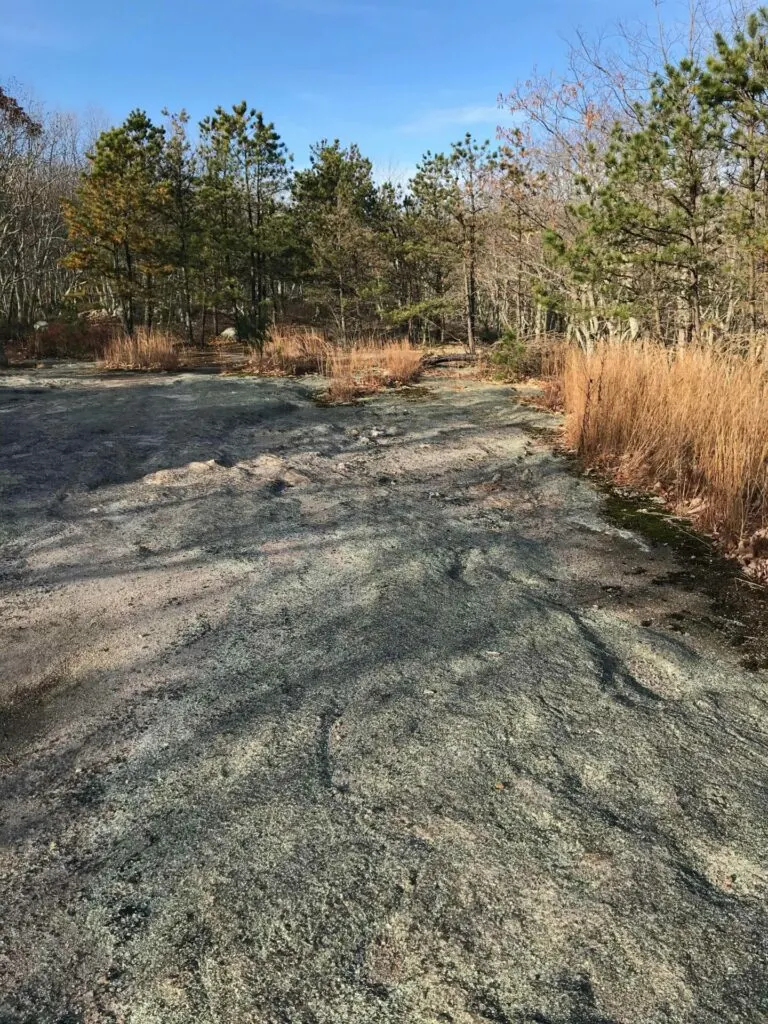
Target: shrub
506,356
512,358
67,339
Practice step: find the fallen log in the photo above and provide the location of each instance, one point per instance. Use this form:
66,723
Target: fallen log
452,357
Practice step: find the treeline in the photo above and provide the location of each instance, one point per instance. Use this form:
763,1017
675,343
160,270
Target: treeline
651,186
41,161
631,199
225,232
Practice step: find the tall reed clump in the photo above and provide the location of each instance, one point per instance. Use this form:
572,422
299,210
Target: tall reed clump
369,366
691,423
142,350
291,351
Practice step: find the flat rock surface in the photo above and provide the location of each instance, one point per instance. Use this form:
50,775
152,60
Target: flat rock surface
366,714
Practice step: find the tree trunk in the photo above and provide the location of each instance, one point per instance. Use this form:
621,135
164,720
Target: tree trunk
452,357
187,297
128,306
149,308
752,299
203,322
694,308
342,316
469,286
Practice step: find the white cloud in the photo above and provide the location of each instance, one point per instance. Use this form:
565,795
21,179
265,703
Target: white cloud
451,117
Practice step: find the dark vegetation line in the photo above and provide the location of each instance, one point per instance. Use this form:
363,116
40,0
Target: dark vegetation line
621,204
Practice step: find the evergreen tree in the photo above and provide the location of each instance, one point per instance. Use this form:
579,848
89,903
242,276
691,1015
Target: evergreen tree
400,281
737,83
335,209
247,173
434,256
182,212
452,190
660,206
115,221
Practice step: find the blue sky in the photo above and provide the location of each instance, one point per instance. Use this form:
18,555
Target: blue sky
397,77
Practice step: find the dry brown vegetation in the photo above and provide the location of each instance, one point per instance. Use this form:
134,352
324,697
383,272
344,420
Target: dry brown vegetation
360,369
83,338
689,423
369,366
143,350
292,351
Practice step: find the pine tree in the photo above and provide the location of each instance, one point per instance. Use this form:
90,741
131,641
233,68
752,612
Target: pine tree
334,211
434,254
267,180
452,190
400,281
181,212
115,221
660,206
737,82
247,174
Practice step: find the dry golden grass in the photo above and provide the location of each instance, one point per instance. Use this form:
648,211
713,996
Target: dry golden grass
369,366
551,358
690,423
291,351
361,369
143,350
401,362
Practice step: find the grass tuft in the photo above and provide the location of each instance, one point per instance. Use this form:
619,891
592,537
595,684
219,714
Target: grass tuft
689,423
368,367
143,350
362,369
291,351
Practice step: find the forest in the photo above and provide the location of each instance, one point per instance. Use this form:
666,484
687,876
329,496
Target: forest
628,199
